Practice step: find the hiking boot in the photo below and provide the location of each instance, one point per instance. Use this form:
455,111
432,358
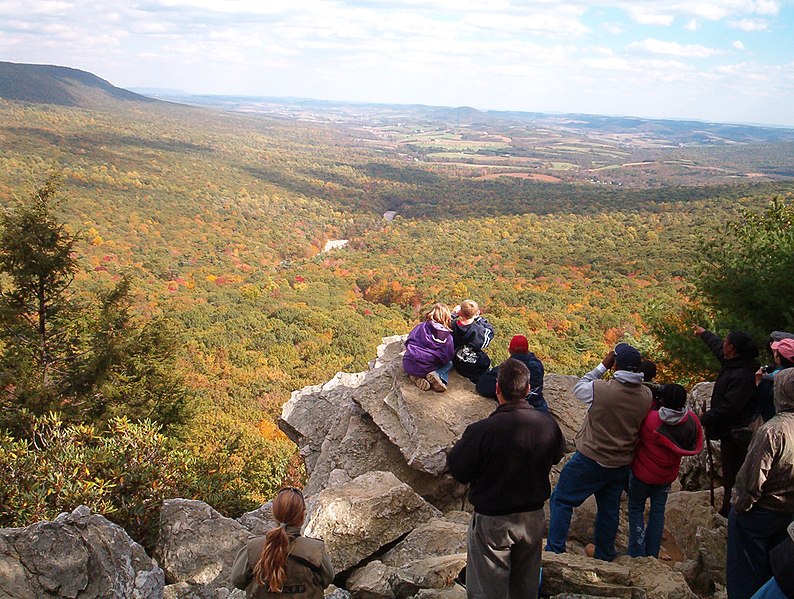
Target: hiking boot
435,382
423,384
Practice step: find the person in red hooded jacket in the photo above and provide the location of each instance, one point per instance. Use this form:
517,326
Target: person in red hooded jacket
665,436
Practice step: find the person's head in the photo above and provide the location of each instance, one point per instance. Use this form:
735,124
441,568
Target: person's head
440,313
627,358
469,309
784,390
518,345
512,382
648,370
783,351
672,397
738,344
289,509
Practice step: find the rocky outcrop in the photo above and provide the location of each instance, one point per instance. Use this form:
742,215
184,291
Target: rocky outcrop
360,517
79,554
379,421
625,577
196,548
378,493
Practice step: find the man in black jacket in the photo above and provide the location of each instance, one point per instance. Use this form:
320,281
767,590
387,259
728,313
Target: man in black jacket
506,459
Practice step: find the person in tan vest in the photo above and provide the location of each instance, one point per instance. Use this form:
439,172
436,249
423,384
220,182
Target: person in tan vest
604,449
283,562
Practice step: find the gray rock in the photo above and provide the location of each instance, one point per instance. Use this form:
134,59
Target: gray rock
311,412
430,573
197,545
438,537
422,424
569,573
354,445
371,581
258,521
358,518
568,411
79,554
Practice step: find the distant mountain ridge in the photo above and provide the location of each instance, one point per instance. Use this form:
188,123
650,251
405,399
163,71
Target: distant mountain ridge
65,86
684,132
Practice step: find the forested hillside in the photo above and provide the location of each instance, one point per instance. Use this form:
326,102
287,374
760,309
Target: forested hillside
219,220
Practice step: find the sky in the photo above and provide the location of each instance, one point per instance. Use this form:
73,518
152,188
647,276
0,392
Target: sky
716,60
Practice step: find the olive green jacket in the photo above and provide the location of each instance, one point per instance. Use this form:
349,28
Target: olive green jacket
309,569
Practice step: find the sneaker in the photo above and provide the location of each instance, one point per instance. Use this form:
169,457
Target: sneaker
435,381
423,384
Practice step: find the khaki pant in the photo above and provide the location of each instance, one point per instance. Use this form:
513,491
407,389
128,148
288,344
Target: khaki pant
504,554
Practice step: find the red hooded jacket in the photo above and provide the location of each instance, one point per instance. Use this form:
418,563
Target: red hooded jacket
661,445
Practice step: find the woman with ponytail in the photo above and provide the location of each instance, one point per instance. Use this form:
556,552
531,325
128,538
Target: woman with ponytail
283,562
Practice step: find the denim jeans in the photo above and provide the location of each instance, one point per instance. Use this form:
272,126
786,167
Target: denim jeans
580,478
443,372
646,541
771,590
751,535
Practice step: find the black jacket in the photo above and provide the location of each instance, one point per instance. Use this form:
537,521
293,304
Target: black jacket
506,458
471,340
734,402
486,384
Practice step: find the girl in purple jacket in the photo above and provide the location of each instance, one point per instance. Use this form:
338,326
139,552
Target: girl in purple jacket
429,350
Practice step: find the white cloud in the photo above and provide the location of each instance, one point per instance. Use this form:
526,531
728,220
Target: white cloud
612,28
749,24
738,45
692,25
654,46
645,17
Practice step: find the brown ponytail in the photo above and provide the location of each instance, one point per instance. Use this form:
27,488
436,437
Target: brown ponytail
288,510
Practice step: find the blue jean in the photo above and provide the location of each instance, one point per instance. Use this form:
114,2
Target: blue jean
646,541
771,590
443,372
751,535
580,478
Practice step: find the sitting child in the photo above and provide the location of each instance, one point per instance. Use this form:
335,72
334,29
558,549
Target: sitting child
472,334
519,350
429,350
666,435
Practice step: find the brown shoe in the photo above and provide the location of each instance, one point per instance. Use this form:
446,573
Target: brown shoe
435,382
423,384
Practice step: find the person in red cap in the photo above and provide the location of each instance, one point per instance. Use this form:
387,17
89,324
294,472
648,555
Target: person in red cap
519,350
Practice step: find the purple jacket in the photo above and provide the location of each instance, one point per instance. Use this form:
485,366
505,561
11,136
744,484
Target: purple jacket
429,345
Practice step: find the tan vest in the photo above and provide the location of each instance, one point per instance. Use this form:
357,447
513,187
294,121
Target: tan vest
612,425
303,570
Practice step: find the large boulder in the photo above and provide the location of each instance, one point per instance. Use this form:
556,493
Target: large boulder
566,409
422,424
438,537
625,577
197,547
359,518
79,554
311,412
701,533
355,445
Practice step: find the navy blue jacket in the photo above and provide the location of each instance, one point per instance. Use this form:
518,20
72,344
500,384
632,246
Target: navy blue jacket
486,384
